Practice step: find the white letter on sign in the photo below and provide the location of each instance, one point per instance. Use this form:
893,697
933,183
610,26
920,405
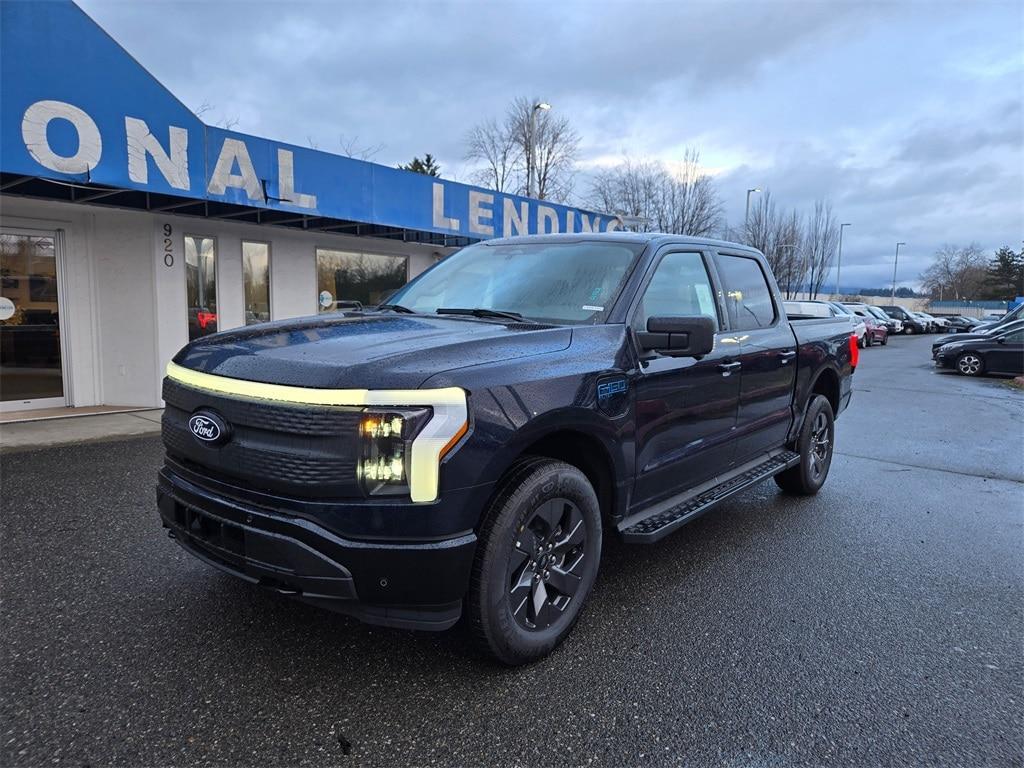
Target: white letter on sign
173,166
477,201
547,219
222,177
33,133
520,222
440,220
286,181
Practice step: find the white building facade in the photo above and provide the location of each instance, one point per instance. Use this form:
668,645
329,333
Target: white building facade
128,227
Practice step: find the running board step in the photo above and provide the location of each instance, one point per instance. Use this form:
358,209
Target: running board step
659,524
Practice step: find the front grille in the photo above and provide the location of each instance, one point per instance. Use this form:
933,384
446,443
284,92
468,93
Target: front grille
294,450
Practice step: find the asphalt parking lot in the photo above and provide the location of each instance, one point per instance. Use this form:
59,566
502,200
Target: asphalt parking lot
879,623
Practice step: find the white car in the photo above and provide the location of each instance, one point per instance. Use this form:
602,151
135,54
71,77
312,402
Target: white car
829,309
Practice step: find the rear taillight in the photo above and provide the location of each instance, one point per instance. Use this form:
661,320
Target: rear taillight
854,350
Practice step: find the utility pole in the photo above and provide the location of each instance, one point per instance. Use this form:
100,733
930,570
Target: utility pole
894,265
746,218
839,261
531,158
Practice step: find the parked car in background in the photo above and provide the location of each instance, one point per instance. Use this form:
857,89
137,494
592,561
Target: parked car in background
866,310
1015,314
1001,353
860,327
876,332
911,324
926,321
959,323
877,329
939,324
893,324
957,337
828,309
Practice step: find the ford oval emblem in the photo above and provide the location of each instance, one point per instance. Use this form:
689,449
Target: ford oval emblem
208,427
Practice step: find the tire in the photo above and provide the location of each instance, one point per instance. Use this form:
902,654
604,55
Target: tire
862,341
815,445
908,330
885,339
970,364
531,576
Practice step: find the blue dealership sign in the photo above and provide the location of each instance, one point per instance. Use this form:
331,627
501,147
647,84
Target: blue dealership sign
77,107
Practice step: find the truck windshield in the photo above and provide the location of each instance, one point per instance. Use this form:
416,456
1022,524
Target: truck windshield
569,283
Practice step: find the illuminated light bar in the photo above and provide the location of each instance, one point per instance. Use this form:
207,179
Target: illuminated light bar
449,422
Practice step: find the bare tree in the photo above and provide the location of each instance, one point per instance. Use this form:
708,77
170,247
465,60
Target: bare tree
957,272
630,189
779,236
227,123
680,200
495,149
821,239
350,147
503,150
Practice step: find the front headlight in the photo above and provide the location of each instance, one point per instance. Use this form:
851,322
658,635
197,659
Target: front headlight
385,448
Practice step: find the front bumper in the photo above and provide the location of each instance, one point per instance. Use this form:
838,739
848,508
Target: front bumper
413,585
945,361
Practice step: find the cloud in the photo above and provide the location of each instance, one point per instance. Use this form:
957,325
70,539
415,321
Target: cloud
907,115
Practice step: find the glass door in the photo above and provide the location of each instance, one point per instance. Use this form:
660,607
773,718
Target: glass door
31,354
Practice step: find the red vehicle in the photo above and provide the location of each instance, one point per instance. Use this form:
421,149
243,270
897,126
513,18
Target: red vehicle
876,332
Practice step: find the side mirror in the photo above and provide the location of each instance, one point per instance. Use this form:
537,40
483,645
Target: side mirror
691,336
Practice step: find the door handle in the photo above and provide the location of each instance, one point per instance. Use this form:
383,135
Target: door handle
786,356
728,368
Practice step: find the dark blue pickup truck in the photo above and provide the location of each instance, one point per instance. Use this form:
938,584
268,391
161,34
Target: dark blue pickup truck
462,449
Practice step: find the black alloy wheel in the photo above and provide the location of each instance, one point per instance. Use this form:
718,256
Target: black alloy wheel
815,445
536,560
546,561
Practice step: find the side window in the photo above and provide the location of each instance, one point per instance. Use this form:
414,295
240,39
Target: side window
680,287
747,295
1015,337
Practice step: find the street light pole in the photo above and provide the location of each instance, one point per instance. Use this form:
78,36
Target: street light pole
894,265
746,219
531,153
839,261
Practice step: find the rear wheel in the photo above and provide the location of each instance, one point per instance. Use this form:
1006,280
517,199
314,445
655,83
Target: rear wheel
536,561
969,364
815,444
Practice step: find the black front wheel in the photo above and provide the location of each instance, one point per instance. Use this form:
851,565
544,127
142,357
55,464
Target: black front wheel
815,445
536,560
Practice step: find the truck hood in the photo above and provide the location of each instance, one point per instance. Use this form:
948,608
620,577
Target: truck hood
365,352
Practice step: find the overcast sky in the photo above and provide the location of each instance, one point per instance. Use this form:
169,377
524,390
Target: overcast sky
907,115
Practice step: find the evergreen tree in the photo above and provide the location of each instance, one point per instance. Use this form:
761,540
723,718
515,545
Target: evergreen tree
1004,278
427,166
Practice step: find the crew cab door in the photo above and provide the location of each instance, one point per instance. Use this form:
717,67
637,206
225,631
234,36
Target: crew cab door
685,408
767,355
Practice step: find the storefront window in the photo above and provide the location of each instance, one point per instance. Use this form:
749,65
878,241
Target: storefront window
348,280
201,285
256,280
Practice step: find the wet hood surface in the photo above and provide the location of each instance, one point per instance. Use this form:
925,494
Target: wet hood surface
384,351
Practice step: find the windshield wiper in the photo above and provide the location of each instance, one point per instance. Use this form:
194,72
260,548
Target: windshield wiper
484,312
395,308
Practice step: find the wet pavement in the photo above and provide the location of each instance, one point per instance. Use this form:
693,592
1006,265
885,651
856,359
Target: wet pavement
879,623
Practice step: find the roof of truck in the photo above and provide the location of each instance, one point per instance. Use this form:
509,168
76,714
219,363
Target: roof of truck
619,236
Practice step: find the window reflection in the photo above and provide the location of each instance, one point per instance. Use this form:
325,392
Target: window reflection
256,281
201,285
347,280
